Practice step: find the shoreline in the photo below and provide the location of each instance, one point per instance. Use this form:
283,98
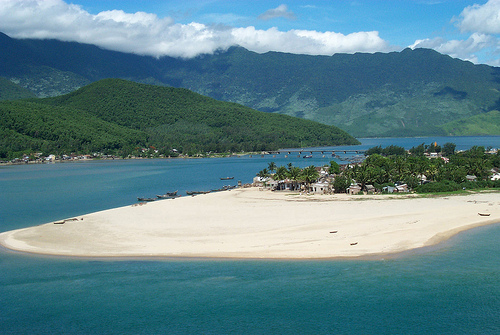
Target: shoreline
262,225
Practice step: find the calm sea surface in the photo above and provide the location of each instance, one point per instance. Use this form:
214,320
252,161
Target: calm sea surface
451,289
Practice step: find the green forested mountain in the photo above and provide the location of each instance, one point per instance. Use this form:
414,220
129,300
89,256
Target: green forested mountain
407,93
11,91
482,124
118,115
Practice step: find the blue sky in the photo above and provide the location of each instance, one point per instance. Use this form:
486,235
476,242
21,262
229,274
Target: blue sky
469,30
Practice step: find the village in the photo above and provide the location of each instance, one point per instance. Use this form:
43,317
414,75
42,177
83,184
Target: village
474,169
324,184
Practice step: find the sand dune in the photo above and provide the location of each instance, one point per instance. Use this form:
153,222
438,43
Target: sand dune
251,223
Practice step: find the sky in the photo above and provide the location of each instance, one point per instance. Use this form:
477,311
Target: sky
469,30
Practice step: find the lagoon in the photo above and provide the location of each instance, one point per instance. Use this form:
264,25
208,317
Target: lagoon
450,289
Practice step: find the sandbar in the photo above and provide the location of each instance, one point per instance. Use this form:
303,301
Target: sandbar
260,224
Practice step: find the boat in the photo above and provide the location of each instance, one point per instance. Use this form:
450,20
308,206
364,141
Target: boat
308,156
196,192
484,214
226,178
171,194
167,196
146,199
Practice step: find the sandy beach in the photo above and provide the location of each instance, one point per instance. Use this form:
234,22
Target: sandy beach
254,223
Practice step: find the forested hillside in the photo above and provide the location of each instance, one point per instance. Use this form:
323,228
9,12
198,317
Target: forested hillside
407,93
11,91
120,116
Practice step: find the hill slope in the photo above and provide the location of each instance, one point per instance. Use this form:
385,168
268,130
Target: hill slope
11,91
483,124
412,92
114,114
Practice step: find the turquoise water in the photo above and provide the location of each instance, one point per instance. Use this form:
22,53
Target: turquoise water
451,289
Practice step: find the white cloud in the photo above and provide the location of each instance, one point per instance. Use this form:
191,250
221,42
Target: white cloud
481,18
280,11
464,49
482,22
307,42
146,34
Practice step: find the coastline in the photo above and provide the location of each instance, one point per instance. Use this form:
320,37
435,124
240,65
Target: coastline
255,224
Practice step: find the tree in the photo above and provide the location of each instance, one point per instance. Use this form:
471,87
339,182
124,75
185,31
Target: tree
310,175
448,149
281,173
263,173
418,150
341,184
294,173
334,168
271,167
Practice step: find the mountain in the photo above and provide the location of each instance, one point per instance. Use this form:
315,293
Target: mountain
482,124
12,91
120,116
407,93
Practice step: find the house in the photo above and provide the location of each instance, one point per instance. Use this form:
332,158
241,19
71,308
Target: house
321,187
370,189
471,178
389,189
288,184
402,188
259,181
354,189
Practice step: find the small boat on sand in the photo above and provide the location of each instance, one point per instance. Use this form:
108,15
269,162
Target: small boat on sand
146,199
196,192
167,196
484,214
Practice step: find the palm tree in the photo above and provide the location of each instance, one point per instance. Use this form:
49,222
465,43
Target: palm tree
263,173
294,173
281,173
310,175
271,167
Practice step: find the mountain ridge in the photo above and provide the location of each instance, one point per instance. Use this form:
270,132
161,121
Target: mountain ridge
381,94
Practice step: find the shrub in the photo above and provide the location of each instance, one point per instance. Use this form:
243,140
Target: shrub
442,186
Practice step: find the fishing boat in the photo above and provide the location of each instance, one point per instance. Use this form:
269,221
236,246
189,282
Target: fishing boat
145,199
168,196
308,156
196,192
484,214
226,178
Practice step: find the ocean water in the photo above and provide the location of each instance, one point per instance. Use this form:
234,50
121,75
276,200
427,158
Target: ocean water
452,288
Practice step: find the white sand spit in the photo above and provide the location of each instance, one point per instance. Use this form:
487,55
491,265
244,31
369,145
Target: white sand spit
250,223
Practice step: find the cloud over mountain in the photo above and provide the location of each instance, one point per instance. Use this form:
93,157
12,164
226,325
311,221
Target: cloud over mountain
147,34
